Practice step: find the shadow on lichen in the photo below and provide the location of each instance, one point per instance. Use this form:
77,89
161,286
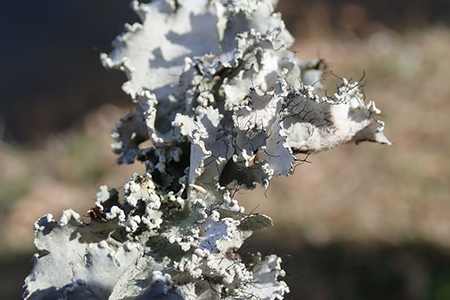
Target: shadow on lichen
69,292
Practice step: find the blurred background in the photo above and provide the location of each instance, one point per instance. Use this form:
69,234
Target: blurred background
357,222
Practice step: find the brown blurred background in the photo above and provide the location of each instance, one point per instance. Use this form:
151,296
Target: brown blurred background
358,222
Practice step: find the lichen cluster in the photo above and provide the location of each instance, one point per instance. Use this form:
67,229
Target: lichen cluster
226,105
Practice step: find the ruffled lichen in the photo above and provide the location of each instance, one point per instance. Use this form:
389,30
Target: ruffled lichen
226,105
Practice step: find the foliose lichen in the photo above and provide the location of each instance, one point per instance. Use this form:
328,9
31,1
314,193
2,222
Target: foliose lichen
226,105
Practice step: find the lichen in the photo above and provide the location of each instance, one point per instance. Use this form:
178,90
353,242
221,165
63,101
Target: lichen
226,105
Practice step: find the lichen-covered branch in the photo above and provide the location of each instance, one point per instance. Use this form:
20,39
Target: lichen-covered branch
226,105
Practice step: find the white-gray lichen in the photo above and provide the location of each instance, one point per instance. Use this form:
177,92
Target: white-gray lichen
226,105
